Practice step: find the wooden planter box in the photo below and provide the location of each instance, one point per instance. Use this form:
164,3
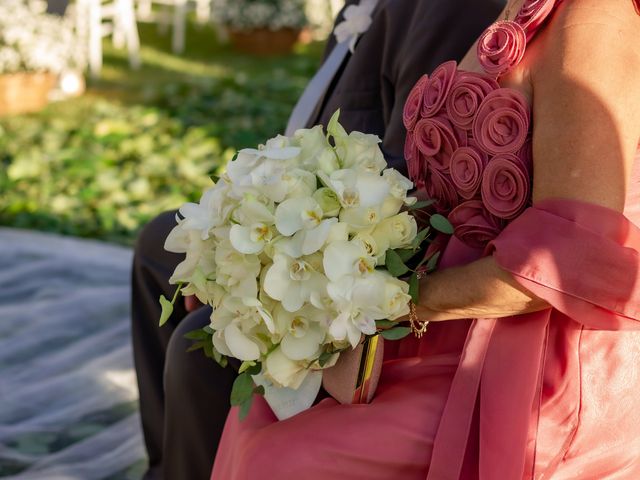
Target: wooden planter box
264,42
24,92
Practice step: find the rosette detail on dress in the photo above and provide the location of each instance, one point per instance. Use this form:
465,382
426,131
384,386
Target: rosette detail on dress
468,146
469,142
501,47
413,105
533,14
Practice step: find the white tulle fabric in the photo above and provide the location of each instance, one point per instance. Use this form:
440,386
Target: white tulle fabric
67,386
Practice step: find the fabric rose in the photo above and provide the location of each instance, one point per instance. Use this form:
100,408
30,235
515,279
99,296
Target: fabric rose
437,88
533,14
413,158
505,186
467,165
438,185
467,93
413,105
502,122
436,139
501,47
474,225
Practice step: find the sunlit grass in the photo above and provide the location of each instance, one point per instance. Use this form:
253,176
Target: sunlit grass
139,142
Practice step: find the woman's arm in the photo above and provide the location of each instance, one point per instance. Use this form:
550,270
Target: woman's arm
584,69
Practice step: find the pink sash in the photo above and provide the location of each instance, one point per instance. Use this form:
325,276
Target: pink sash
583,260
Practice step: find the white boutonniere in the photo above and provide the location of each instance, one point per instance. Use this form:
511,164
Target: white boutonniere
357,20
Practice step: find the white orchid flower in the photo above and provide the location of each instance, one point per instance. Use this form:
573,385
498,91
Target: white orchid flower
357,189
250,239
237,272
344,328
299,183
239,325
263,169
254,229
211,211
293,282
303,331
277,148
199,253
284,372
347,259
302,220
363,300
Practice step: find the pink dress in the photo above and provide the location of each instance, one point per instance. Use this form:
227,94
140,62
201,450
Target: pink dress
551,394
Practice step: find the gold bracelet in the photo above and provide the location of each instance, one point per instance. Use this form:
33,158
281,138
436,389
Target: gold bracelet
418,327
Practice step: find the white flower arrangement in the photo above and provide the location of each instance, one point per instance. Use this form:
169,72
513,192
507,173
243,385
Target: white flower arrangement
254,14
297,248
34,41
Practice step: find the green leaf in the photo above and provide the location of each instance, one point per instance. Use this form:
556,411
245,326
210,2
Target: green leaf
421,204
197,346
324,358
245,407
259,390
433,262
420,237
167,309
395,265
385,324
414,288
198,334
405,254
395,333
246,366
242,389
208,329
255,369
441,224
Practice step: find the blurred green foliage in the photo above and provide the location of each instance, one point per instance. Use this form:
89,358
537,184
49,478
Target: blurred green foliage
140,142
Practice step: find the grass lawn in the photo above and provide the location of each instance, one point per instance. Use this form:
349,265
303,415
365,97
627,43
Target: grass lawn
140,142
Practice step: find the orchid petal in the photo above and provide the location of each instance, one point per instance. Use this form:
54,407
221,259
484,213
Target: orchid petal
240,238
240,346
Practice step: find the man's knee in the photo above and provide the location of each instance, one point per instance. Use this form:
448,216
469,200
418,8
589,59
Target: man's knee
182,366
151,238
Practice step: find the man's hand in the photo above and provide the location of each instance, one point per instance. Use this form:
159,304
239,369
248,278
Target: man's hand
191,303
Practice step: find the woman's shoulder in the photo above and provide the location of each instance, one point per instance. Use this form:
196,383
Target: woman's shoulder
584,67
579,29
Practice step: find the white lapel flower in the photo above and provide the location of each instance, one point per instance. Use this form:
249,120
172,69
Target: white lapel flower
357,20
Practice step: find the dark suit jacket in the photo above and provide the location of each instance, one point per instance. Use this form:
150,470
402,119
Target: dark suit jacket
406,39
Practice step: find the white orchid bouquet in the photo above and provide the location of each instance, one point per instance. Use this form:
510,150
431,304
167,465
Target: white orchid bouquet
253,14
298,248
33,41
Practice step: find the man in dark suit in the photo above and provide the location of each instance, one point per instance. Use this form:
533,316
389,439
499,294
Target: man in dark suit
183,412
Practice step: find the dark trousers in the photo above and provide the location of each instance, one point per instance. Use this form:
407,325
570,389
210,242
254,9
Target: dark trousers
184,397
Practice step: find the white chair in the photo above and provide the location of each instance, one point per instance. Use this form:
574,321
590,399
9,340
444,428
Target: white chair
175,13
96,19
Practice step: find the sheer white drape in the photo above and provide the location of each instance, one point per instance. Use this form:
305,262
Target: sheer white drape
67,386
